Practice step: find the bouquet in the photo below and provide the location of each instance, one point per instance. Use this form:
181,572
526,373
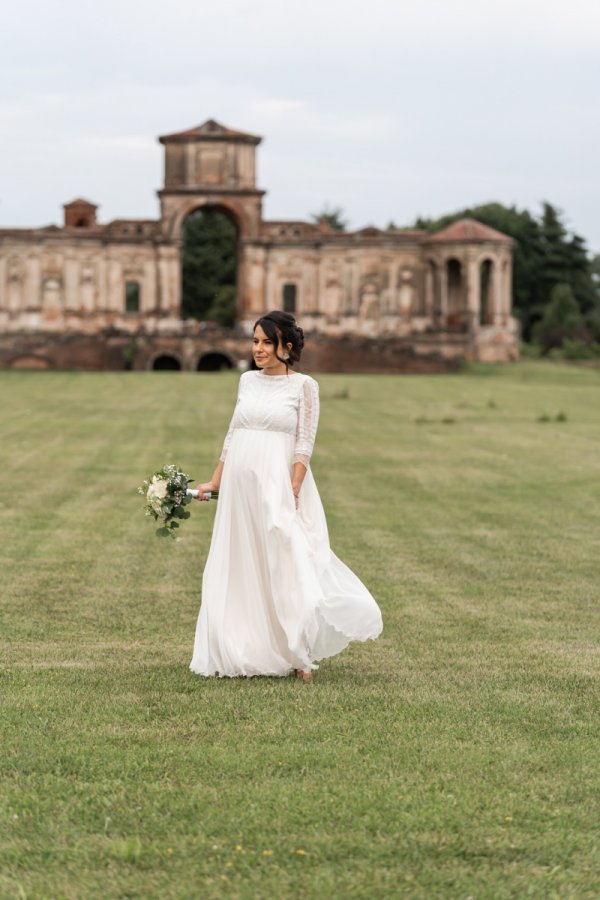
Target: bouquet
167,494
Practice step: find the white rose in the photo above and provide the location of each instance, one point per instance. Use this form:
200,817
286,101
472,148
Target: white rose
158,490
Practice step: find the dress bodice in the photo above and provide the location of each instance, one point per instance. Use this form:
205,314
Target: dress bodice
287,403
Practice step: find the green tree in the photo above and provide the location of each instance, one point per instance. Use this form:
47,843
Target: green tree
332,216
209,258
593,315
562,319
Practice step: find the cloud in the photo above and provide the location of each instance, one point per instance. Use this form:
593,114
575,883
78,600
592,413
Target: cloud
389,107
274,108
120,143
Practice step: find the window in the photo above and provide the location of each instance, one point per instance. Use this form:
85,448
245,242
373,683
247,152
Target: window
289,298
132,296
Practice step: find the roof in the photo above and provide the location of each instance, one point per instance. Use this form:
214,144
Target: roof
211,130
80,201
468,231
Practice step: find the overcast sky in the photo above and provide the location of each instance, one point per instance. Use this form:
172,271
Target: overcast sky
387,108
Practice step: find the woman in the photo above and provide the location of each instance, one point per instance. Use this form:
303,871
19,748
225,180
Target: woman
274,596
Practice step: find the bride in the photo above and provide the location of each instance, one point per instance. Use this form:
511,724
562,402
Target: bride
274,597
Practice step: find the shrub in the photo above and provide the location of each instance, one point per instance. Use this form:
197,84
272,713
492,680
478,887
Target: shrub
574,349
562,319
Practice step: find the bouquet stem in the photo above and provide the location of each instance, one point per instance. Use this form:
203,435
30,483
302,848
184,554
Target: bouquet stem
208,495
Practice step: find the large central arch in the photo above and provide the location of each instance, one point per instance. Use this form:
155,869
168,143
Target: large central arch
209,265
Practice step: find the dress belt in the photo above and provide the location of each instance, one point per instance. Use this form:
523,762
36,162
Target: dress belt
256,428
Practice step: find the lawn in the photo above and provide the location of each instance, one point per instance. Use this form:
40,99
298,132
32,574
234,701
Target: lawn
456,757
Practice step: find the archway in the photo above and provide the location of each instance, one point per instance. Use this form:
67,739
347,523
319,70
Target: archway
166,363
214,362
209,266
455,292
486,296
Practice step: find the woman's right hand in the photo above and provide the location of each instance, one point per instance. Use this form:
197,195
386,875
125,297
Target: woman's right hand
204,489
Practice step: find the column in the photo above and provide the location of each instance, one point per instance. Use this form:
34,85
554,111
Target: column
473,294
507,285
496,294
442,311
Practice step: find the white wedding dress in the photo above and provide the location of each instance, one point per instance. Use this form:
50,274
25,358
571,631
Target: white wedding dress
274,596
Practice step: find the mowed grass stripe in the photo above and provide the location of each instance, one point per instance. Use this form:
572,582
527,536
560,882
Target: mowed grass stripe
456,756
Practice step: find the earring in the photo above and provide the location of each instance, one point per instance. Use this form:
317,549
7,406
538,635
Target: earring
286,357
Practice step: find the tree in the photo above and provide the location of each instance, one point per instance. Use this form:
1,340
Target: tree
561,320
209,258
332,216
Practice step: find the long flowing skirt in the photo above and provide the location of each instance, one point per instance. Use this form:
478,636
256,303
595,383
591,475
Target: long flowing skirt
274,595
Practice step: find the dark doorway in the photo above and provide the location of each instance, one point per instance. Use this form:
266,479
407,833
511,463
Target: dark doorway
214,362
485,292
454,313
209,266
132,296
289,298
166,363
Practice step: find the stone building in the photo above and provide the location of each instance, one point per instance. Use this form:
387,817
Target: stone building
95,295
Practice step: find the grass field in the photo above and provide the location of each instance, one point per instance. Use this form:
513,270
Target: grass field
456,757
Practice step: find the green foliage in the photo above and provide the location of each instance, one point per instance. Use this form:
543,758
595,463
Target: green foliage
222,309
545,255
332,216
455,757
209,258
561,319
128,354
530,350
574,349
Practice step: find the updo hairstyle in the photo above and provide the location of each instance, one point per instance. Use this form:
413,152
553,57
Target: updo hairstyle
278,325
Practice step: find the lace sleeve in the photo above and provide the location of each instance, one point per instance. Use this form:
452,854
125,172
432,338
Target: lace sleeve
227,440
308,418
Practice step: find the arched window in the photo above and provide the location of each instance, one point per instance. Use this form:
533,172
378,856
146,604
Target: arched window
132,296
289,297
455,295
486,302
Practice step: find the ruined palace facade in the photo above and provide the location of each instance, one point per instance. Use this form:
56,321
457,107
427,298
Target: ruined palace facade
70,293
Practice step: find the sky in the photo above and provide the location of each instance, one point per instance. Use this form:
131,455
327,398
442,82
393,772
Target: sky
390,109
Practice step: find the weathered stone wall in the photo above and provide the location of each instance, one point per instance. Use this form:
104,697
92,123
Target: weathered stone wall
213,348
76,282
417,297
345,288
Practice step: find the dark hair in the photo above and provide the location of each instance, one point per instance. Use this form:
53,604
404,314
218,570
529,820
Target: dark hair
278,325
